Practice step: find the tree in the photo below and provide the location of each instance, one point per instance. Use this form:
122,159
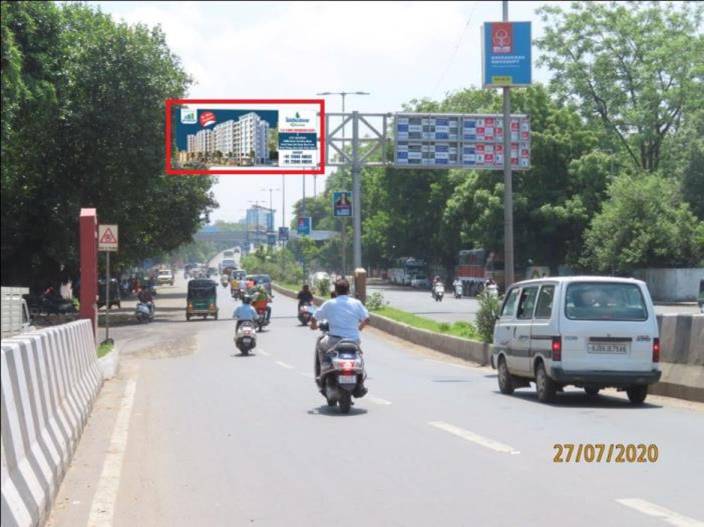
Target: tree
645,223
635,67
95,91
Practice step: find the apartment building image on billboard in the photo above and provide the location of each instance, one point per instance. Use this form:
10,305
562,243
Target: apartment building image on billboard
240,141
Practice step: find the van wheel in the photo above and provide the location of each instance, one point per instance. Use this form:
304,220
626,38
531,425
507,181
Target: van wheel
591,391
505,380
637,393
545,386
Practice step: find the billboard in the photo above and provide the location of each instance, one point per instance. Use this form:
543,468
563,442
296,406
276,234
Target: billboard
342,204
283,234
245,136
459,141
304,226
506,54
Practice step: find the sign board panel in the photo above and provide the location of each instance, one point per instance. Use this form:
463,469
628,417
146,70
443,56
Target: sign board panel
283,234
107,238
342,204
245,136
304,226
459,141
506,54
271,238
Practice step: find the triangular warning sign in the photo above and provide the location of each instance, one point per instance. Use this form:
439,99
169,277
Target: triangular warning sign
108,237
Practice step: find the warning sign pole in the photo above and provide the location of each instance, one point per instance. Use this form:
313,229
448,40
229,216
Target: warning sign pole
107,242
107,297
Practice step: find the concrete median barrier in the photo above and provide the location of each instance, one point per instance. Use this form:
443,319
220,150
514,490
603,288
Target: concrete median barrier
681,357
50,379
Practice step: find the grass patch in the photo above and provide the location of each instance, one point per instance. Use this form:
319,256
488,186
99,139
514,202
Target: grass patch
458,329
104,349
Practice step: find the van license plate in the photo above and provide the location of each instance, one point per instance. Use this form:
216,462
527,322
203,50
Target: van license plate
607,348
347,379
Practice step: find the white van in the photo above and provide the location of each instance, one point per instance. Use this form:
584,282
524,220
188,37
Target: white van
588,331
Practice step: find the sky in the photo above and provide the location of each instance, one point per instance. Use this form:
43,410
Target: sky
396,51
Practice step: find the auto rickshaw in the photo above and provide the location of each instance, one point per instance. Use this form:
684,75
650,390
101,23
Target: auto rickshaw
202,299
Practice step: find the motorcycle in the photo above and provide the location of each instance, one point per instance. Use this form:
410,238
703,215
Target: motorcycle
144,312
246,337
236,293
492,290
342,373
438,292
458,290
261,321
305,312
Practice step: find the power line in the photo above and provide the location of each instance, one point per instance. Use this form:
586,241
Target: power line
456,48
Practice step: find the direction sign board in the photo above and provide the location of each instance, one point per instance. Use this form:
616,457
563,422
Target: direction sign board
342,204
107,238
459,141
271,238
506,54
304,226
283,234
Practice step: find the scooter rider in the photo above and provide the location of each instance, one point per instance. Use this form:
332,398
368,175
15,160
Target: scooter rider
145,297
346,317
261,299
304,296
244,312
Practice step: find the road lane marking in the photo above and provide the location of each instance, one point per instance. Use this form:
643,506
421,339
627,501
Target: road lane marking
102,510
284,365
474,438
378,400
671,517
265,353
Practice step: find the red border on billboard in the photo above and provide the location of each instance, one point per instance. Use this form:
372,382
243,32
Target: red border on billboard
277,171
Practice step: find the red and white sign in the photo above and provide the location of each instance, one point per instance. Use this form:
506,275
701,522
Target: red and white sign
501,37
207,118
107,238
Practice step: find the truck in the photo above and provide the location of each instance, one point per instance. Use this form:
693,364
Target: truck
15,313
475,267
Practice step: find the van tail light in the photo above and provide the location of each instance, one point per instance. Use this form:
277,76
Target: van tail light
656,350
556,348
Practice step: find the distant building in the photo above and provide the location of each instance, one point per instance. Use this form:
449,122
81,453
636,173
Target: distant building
245,140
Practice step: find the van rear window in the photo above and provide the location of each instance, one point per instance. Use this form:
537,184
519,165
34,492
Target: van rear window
605,301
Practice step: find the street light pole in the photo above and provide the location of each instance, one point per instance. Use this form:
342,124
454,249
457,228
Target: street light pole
508,183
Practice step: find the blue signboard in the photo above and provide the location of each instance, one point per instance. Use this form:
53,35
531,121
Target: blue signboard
506,54
271,238
304,226
283,234
342,204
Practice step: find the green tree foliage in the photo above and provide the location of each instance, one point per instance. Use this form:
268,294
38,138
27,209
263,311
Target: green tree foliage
82,125
635,67
645,223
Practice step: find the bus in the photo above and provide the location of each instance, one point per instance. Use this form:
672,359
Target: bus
406,269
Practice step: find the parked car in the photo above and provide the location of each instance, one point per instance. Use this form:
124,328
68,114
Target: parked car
592,332
165,276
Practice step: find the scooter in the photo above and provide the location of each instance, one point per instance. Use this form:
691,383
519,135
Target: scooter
246,337
438,292
342,373
305,313
144,312
458,290
492,290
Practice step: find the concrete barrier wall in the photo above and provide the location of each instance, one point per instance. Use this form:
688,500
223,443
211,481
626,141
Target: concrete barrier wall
50,379
681,357
672,285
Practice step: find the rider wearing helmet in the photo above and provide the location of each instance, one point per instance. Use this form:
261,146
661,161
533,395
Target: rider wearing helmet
245,311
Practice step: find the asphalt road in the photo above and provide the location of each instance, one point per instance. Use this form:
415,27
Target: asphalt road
420,302
192,434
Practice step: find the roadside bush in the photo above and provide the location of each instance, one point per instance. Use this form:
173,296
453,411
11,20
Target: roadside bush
486,316
324,287
375,301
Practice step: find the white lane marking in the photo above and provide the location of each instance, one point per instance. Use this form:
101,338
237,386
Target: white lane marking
671,517
284,365
265,353
378,400
102,510
474,438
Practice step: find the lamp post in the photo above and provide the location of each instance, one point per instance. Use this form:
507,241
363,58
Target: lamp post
356,191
